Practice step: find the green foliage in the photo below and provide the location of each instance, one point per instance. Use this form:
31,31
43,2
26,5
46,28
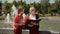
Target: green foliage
44,7
0,7
7,7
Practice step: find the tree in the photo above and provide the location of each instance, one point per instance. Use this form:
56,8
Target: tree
38,7
0,7
25,5
44,6
7,7
57,2
15,3
53,9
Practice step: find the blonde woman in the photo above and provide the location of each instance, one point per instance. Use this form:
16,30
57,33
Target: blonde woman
33,26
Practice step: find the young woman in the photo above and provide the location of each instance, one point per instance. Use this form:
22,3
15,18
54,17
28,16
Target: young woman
17,21
33,26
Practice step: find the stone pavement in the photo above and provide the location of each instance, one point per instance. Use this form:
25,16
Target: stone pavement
10,31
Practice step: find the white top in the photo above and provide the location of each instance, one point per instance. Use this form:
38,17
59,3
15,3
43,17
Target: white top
32,18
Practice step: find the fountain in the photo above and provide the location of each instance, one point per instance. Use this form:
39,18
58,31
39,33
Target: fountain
14,11
8,18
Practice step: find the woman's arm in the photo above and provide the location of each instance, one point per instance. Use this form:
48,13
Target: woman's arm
25,20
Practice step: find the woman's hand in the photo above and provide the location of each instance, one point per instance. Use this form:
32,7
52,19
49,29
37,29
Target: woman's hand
30,25
23,24
16,24
34,23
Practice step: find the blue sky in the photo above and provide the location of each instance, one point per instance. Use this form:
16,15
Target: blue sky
28,1
52,1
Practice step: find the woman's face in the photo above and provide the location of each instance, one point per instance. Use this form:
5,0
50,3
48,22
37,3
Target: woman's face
32,11
21,13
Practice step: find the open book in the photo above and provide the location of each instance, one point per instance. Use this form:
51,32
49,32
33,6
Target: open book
29,22
37,20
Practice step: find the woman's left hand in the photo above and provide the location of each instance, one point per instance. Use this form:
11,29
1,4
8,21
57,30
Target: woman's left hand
33,23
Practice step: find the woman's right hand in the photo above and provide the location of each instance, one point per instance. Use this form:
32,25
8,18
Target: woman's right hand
16,24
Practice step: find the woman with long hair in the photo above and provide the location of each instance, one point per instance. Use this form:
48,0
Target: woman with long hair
18,21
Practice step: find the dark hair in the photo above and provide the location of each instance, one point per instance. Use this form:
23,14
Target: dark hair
20,10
